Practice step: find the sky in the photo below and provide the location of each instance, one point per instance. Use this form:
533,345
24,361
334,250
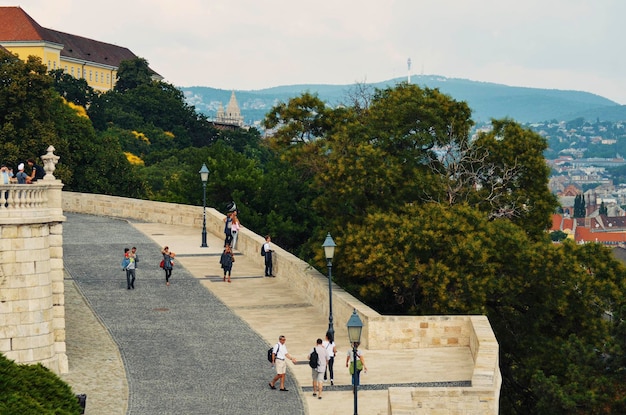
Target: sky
256,44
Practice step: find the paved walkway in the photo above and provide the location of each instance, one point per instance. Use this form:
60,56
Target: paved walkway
199,345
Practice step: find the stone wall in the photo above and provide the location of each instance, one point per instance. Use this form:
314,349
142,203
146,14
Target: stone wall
32,305
379,332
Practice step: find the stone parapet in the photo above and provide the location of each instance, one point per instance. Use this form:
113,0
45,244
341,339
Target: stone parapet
379,332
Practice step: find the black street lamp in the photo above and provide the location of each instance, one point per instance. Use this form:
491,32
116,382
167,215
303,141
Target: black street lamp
204,176
355,327
329,251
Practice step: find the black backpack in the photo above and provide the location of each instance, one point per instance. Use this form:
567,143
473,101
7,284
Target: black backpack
270,352
313,359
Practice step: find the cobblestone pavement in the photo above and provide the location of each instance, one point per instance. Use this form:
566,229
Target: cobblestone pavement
183,351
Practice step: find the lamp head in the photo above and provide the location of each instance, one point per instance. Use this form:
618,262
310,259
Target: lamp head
355,327
329,247
204,173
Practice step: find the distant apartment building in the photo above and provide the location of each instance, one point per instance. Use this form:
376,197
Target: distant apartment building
94,61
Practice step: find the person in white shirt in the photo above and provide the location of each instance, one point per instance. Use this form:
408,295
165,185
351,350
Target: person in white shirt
267,248
317,373
329,345
279,354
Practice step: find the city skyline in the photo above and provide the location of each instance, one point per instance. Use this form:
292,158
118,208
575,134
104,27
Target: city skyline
248,45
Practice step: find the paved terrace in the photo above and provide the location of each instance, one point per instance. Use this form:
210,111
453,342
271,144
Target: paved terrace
199,345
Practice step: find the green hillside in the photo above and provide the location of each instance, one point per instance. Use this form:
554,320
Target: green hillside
487,100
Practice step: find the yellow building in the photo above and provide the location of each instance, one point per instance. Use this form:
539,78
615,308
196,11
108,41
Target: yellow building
96,62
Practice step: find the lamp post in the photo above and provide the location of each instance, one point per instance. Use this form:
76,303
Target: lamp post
355,326
329,252
204,176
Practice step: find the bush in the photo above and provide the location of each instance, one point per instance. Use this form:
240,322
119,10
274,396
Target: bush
34,389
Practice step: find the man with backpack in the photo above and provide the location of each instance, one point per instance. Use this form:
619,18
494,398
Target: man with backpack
318,359
279,354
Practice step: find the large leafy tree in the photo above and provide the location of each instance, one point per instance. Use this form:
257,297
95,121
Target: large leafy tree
26,98
429,221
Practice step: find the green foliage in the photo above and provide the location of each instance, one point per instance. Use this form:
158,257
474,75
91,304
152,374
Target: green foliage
558,236
34,390
75,90
132,73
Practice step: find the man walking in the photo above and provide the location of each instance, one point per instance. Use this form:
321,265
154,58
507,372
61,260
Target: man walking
279,354
267,249
317,373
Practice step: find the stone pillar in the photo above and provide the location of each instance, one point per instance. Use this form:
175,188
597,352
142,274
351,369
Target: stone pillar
32,300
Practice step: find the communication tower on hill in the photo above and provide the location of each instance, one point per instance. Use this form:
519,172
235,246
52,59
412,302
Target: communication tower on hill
408,64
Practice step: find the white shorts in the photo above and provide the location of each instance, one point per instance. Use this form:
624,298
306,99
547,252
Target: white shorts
281,366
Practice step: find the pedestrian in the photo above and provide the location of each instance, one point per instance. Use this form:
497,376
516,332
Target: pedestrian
167,263
125,263
130,269
360,364
317,373
21,175
226,261
234,230
267,249
228,222
279,354
36,173
329,345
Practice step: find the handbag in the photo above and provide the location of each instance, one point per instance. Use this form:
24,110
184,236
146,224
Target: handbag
162,264
359,366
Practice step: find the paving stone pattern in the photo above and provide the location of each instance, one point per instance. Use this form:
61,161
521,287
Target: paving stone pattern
183,350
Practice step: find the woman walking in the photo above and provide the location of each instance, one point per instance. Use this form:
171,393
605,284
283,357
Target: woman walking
226,261
167,263
331,349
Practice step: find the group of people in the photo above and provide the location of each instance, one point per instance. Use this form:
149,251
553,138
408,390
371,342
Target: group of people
131,258
7,176
326,351
231,228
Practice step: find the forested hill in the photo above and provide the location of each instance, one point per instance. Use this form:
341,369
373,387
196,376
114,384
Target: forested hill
487,100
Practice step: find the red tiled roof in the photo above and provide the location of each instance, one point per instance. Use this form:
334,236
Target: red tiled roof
17,25
568,223
608,238
556,222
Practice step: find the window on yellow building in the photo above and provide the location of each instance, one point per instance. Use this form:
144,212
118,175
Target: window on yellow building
72,70
90,77
96,77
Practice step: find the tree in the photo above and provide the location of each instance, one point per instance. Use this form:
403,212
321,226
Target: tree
132,74
26,97
75,90
515,183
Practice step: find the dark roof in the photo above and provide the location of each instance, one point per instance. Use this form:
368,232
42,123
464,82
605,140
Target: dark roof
81,48
16,25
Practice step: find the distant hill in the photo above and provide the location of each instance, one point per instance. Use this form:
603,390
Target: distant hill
487,100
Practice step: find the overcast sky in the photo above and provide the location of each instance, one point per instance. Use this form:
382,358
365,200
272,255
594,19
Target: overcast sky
255,44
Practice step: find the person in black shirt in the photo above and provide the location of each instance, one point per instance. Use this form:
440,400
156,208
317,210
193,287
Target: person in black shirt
36,173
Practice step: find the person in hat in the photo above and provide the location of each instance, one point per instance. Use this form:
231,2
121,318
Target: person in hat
21,175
